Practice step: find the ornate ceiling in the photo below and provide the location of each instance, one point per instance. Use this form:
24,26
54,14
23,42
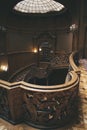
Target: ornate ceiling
6,6
8,15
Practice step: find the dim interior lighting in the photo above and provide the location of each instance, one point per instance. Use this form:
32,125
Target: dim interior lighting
73,27
4,67
40,49
35,50
38,6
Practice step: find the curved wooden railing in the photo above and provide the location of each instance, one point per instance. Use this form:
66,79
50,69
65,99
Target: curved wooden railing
74,61
39,106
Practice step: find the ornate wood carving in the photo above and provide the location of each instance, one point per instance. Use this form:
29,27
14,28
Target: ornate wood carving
4,104
60,59
40,106
49,109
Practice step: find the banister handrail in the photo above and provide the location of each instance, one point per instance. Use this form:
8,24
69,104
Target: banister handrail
29,86
22,101
72,62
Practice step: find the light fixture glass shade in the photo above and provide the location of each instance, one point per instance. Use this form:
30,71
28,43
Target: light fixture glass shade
38,6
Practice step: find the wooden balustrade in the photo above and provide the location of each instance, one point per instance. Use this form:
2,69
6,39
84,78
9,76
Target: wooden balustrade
39,106
74,61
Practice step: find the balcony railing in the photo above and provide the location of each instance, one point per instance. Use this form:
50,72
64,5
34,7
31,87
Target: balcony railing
39,106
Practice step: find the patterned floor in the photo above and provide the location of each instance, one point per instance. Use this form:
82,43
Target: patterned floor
80,124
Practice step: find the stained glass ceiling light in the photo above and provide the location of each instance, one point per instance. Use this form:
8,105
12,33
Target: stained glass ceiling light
38,6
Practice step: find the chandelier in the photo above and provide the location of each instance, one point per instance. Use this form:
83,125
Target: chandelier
38,6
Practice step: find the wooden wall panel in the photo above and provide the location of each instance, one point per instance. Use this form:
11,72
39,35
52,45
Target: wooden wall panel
19,60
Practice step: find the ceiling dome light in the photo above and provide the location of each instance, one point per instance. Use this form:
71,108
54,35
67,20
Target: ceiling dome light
38,6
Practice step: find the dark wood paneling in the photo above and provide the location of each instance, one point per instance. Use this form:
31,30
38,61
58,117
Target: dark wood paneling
18,60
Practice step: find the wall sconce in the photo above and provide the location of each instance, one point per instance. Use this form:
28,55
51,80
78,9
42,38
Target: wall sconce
73,27
4,67
40,49
35,50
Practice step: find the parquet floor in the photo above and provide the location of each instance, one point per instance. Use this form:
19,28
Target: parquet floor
81,124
